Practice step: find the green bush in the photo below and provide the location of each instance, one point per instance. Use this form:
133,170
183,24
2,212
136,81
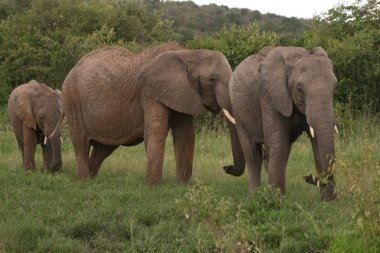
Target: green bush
350,35
236,43
221,228
45,40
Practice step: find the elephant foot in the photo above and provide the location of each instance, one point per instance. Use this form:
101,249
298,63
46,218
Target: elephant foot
57,170
152,183
53,169
30,169
183,181
82,177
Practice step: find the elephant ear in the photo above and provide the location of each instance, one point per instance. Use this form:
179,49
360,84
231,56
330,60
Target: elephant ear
274,74
319,51
167,79
24,110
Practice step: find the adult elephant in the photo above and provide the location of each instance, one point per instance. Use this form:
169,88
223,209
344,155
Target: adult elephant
276,95
35,110
112,98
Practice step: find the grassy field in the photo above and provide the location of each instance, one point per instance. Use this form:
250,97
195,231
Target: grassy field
116,212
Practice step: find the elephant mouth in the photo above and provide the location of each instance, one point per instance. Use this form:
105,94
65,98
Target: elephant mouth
213,109
40,136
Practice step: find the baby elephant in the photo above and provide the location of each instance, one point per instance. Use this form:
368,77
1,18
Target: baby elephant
35,111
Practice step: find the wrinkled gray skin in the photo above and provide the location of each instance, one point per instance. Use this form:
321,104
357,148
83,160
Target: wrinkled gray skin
112,98
35,110
276,95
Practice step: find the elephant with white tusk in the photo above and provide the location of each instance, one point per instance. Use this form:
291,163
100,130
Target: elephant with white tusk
113,97
35,111
276,95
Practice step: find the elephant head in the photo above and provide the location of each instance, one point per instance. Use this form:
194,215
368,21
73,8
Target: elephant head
295,79
39,108
188,80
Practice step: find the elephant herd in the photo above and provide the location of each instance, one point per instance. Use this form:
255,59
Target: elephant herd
113,97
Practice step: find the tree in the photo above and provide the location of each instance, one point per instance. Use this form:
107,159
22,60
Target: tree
45,40
351,36
235,42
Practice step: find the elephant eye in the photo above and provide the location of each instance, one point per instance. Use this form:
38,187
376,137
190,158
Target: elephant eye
300,88
212,80
39,117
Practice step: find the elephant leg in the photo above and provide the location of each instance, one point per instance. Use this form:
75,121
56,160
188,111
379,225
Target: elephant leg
254,172
156,121
278,154
20,144
98,154
29,147
184,141
253,157
18,128
47,156
82,150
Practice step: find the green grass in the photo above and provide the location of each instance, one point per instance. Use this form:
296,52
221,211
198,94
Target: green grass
116,212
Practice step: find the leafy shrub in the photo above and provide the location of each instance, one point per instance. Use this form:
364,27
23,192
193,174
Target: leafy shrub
354,123
236,43
45,40
362,170
350,35
230,229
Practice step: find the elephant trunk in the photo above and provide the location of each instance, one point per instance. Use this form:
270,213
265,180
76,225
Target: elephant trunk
324,137
326,147
237,168
223,99
56,159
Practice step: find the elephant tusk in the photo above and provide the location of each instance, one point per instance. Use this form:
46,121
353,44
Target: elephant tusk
61,139
45,140
228,116
57,126
311,132
336,130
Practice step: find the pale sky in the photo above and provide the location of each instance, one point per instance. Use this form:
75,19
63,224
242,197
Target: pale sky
288,8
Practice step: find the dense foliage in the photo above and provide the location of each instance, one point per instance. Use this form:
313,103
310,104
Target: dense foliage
235,42
44,40
351,36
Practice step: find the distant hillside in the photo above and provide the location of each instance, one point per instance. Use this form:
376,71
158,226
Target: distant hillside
191,20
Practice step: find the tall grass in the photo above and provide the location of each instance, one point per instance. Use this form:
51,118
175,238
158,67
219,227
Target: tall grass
116,212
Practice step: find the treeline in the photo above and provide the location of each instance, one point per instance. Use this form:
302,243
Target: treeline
191,20
43,39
